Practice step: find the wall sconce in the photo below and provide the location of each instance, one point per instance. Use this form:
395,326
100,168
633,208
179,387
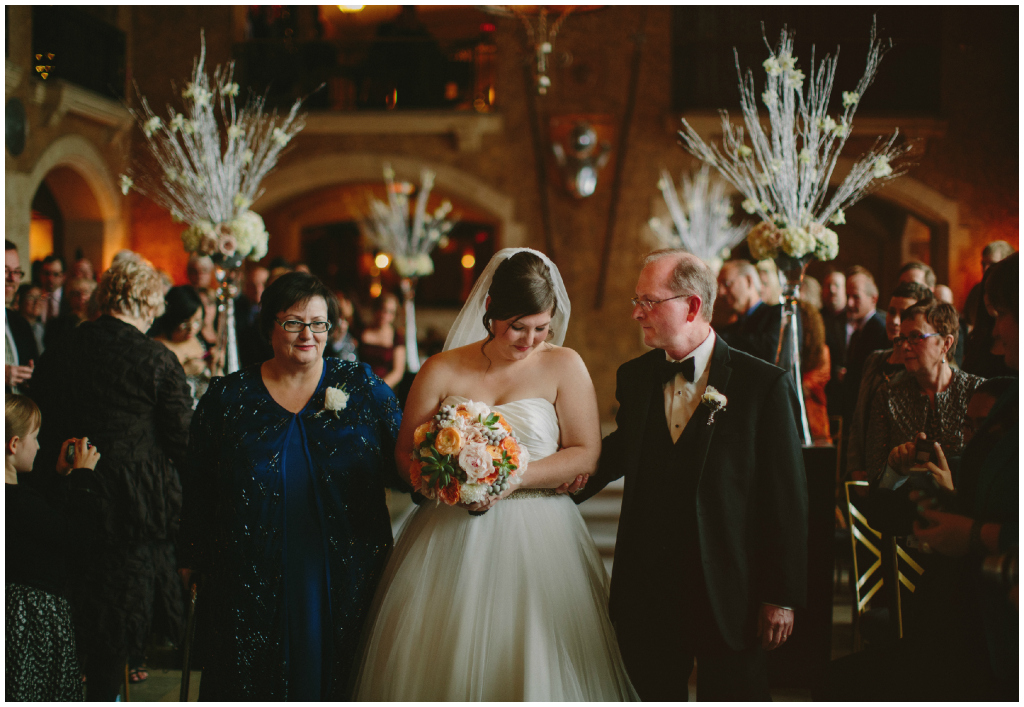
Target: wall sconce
582,149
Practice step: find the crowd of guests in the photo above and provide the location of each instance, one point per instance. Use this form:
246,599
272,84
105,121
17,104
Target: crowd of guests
922,401
114,370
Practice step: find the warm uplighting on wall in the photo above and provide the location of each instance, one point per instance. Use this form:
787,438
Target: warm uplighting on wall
351,8
468,261
382,260
40,236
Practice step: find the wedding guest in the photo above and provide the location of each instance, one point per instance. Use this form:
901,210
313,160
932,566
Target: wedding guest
835,289
126,393
865,332
756,330
252,348
815,370
41,662
82,267
342,344
284,513
944,294
990,254
20,350
381,345
77,293
929,396
979,358
879,368
916,271
51,279
31,301
178,329
771,291
199,274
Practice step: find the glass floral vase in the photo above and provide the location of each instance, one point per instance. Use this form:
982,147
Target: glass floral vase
227,270
791,277
412,354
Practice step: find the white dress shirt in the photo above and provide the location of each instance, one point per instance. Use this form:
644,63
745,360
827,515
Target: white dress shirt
681,396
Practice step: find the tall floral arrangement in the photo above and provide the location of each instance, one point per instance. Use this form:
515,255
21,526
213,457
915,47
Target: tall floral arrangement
408,237
209,159
784,172
701,216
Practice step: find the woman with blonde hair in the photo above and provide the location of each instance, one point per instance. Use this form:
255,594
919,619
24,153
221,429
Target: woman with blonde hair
126,393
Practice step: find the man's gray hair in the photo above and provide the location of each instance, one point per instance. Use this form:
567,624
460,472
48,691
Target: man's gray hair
691,276
997,250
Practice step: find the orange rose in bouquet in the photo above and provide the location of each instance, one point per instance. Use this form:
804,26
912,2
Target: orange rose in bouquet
466,453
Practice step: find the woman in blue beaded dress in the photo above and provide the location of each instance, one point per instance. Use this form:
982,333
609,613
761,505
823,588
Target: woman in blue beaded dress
284,520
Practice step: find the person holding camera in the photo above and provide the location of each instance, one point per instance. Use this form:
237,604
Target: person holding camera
929,396
40,662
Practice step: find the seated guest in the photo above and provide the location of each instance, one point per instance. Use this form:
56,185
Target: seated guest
879,368
916,271
76,300
199,273
82,267
252,348
865,333
756,330
381,345
834,301
20,350
31,301
929,396
51,279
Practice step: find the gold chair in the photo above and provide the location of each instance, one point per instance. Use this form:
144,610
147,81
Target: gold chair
865,546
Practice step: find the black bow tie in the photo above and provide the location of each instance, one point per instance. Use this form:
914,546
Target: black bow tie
669,369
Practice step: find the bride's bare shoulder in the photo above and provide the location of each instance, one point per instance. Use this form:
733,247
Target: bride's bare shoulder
451,361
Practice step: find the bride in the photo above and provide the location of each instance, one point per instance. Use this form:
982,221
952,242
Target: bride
510,605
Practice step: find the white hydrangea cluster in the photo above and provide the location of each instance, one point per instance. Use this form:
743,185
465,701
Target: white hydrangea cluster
245,236
768,241
416,265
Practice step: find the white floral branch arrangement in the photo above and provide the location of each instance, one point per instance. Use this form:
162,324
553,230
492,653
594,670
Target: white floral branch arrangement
408,238
784,174
701,214
211,158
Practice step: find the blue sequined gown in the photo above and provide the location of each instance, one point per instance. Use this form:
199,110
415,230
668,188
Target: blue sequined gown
284,515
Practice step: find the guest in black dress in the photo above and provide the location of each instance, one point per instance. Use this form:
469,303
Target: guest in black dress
40,661
381,345
126,393
284,518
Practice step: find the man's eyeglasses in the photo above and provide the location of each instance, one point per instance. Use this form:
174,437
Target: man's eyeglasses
16,274
648,304
293,326
912,339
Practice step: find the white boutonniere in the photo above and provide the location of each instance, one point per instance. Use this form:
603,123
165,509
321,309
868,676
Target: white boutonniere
713,401
335,399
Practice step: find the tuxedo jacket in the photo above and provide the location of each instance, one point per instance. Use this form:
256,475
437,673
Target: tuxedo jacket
758,333
751,493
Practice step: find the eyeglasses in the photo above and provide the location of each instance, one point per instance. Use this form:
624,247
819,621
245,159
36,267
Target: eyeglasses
293,326
913,339
14,274
648,304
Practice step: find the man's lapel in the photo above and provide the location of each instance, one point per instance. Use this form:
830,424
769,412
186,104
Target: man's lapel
718,378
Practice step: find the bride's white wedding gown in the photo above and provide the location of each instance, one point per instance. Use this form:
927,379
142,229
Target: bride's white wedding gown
507,606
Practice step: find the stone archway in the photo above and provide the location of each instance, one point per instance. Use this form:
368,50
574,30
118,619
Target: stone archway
316,173
86,193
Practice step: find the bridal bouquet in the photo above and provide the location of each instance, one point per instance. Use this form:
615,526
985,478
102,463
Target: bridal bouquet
466,453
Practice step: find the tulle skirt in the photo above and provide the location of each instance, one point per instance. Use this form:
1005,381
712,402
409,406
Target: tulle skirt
507,606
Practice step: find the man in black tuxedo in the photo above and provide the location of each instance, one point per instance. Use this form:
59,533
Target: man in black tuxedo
756,329
711,554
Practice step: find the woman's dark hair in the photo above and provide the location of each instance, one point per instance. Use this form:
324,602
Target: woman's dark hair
288,289
915,291
521,287
1001,285
941,316
181,304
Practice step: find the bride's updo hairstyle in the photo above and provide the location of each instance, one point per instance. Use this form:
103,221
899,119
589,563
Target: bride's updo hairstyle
521,288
